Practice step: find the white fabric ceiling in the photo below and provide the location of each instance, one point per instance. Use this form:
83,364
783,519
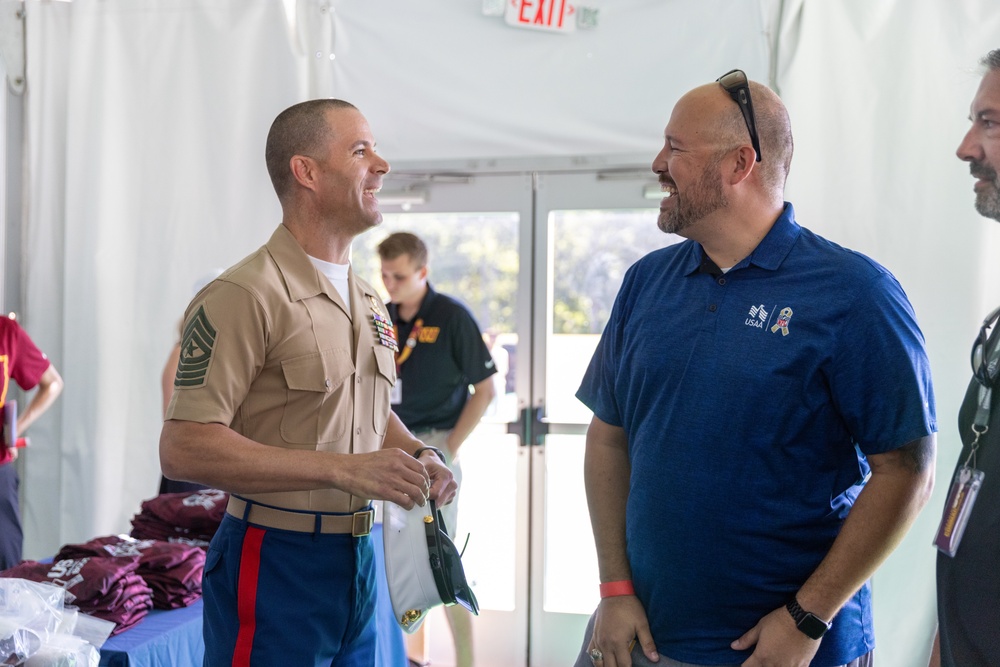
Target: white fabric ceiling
145,125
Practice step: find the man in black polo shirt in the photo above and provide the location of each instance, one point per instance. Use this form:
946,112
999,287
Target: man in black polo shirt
441,353
968,584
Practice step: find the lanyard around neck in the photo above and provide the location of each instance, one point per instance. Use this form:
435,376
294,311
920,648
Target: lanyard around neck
411,342
981,421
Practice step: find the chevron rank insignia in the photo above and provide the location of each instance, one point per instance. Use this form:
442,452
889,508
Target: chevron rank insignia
196,351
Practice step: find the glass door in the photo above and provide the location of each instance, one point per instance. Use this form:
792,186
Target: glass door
538,258
590,227
477,230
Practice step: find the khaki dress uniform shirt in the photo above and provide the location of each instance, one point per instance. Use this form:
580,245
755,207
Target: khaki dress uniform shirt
270,350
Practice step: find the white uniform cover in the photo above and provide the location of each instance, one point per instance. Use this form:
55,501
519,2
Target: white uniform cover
422,565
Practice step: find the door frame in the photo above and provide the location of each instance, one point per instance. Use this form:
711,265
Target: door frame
532,188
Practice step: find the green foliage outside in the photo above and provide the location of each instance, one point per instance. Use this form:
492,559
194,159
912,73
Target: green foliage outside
474,257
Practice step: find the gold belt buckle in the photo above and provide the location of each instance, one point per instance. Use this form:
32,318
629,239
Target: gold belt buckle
363,521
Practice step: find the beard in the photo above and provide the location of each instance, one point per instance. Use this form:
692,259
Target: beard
701,200
987,199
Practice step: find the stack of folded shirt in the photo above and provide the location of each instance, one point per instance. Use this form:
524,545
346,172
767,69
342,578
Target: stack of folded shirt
107,588
186,518
173,571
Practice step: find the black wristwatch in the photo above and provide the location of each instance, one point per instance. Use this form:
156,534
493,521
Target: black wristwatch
425,448
811,625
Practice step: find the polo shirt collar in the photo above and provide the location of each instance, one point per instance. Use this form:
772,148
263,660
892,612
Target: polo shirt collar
421,311
428,300
769,253
772,250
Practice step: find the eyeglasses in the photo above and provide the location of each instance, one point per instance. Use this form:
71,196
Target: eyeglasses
736,84
985,370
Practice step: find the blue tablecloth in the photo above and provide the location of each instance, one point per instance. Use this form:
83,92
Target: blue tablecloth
162,638
173,638
390,651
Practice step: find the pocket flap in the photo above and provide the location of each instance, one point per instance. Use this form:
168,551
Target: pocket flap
386,361
323,371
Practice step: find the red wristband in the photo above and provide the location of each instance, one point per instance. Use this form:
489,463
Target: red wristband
616,588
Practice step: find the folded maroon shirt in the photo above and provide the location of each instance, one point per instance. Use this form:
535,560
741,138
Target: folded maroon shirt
194,511
107,588
153,555
184,518
173,571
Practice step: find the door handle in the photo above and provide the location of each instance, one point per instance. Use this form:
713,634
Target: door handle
529,427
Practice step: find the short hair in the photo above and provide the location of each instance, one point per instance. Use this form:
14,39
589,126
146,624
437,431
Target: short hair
403,243
774,131
991,60
774,128
298,130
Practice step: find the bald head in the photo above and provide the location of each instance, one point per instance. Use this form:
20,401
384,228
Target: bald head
775,131
723,121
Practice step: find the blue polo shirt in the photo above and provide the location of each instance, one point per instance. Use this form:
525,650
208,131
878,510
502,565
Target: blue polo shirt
749,400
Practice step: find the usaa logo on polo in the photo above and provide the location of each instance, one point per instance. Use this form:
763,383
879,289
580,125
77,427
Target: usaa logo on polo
196,351
759,316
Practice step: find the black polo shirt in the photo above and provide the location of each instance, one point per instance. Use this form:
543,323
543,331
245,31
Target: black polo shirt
968,584
449,355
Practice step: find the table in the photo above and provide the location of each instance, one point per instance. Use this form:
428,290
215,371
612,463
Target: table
173,638
162,638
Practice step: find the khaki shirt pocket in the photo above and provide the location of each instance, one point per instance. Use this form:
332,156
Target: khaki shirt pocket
384,380
318,405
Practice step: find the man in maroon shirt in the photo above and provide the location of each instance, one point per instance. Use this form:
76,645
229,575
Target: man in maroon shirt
23,362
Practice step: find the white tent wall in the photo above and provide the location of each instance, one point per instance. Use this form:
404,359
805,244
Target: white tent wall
146,125
143,173
443,81
879,96
144,169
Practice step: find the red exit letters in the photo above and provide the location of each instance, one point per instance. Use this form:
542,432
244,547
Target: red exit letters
553,15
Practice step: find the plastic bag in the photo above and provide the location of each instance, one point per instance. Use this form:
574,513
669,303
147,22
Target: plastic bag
38,630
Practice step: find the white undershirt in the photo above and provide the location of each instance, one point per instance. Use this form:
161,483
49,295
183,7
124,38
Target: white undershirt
337,275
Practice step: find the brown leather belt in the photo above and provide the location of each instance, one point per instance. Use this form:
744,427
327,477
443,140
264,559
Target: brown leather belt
358,524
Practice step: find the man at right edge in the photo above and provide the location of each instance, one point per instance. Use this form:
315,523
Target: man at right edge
968,563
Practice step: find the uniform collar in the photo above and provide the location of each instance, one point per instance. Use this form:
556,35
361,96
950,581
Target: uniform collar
302,279
769,253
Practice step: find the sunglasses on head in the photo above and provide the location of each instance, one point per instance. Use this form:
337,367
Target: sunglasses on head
736,84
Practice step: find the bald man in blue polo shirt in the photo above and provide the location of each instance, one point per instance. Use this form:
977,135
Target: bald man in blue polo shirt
763,431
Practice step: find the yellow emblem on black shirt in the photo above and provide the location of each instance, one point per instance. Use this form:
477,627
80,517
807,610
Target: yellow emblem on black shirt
429,335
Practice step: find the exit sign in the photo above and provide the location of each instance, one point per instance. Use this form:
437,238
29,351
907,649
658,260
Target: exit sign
551,15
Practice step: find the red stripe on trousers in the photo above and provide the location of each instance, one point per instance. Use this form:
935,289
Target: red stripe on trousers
246,595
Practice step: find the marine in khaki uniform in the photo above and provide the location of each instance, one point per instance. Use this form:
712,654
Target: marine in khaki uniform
282,398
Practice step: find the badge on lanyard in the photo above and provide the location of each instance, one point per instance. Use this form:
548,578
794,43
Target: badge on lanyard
396,395
962,496
968,480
